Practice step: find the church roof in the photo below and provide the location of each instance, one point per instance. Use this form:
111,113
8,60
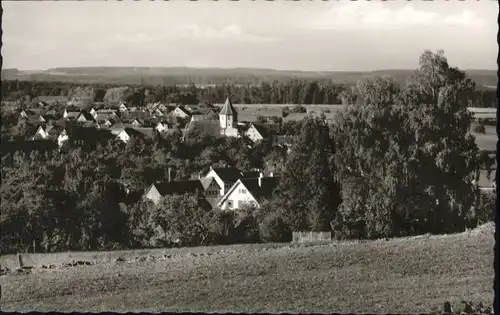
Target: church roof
227,108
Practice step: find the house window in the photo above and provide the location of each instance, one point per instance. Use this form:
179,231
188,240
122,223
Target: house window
229,203
243,191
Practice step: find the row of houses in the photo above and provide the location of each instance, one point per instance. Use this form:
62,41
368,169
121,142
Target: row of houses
143,123
225,188
136,116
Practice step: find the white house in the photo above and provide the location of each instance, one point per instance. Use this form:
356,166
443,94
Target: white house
248,191
179,112
123,136
41,119
63,137
93,112
122,108
161,127
40,134
253,133
228,119
23,114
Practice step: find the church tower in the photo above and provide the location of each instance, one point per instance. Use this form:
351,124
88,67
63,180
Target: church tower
228,118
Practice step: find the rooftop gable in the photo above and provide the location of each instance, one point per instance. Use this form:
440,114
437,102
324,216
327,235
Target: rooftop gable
227,108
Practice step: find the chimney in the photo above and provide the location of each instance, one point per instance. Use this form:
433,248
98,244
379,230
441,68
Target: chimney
260,179
169,174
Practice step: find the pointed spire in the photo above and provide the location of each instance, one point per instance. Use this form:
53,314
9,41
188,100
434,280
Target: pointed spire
228,108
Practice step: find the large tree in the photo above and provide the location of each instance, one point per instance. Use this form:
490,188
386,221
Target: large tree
308,191
407,153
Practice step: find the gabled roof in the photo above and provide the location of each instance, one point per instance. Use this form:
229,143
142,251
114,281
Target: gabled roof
54,130
141,132
228,174
87,116
207,181
266,130
258,192
179,187
207,127
227,108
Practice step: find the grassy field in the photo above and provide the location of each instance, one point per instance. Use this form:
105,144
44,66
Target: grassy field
401,275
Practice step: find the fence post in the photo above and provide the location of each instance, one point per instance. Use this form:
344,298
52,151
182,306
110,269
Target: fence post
20,261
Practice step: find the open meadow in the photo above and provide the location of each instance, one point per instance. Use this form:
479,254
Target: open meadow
408,275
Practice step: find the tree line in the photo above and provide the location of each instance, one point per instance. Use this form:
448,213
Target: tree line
274,92
386,167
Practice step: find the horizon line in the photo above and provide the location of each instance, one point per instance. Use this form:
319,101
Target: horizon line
231,68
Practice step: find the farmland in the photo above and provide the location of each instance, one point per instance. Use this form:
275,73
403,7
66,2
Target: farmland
399,275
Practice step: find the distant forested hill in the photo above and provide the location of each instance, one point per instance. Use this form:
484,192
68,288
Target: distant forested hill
206,76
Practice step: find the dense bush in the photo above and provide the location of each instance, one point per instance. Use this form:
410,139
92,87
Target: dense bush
274,229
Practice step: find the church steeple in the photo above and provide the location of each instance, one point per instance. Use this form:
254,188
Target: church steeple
227,108
228,116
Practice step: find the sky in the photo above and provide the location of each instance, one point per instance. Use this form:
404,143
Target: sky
306,35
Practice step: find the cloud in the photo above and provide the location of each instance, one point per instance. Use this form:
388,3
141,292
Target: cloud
230,32
193,32
370,15
134,38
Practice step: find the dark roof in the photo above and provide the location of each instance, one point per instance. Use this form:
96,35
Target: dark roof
207,127
211,110
250,174
179,187
227,108
89,134
117,127
136,114
265,190
87,116
54,130
106,111
102,117
141,132
228,174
